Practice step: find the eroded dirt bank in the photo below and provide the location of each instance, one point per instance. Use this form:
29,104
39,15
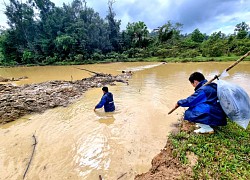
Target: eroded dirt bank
167,167
16,101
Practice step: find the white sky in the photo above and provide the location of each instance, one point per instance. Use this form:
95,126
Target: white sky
207,15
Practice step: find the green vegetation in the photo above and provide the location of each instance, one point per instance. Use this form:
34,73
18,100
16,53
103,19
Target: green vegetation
40,33
195,59
223,155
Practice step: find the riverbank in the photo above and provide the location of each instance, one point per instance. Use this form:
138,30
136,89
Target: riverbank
222,155
147,59
197,59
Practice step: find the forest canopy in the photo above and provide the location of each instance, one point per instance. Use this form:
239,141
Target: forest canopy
41,33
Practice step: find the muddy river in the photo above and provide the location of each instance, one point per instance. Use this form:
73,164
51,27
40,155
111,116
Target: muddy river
75,142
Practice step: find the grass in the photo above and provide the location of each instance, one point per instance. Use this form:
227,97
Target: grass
148,59
197,59
223,155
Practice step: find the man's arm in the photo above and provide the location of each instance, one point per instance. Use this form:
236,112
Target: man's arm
198,97
101,103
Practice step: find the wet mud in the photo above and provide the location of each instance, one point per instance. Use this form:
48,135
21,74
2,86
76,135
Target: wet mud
166,166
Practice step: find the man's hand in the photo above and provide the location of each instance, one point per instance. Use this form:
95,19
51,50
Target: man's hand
176,105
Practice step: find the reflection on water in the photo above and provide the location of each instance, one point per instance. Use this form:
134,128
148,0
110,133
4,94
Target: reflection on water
92,154
139,68
75,142
105,117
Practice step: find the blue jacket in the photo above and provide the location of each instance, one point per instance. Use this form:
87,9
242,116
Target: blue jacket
204,106
106,101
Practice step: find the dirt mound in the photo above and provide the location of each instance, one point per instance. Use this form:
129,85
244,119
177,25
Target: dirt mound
16,101
3,79
167,167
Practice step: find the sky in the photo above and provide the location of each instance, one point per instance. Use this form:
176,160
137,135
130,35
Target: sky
207,15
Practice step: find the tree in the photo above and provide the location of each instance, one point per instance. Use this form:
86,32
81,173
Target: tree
22,29
216,45
241,30
64,43
137,33
44,7
197,36
169,32
114,27
241,27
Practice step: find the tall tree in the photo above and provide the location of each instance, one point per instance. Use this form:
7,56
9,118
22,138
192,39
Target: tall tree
169,32
216,45
114,27
197,36
241,30
138,33
22,25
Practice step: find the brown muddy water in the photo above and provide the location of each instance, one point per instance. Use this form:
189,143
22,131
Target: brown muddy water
75,142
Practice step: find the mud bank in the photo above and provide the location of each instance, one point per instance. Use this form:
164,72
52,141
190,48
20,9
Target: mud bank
167,166
16,101
3,79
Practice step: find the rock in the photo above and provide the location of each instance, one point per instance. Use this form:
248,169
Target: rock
30,100
1,113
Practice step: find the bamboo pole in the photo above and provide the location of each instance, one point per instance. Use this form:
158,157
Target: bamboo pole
215,77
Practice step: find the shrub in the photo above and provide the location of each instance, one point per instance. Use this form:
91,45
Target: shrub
27,57
190,53
97,56
50,60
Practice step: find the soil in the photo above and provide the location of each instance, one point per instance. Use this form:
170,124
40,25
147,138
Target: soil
167,167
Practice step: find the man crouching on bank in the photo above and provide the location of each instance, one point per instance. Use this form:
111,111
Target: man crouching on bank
204,107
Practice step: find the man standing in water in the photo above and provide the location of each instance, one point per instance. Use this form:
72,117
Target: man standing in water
107,101
204,107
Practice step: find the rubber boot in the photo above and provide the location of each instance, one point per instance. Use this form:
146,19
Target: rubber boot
197,125
204,129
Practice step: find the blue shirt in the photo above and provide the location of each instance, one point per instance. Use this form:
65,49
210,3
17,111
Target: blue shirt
107,101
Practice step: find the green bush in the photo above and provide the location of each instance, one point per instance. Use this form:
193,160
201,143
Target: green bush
163,53
97,56
1,58
190,53
79,57
123,57
241,50
112,55
27,57
50,60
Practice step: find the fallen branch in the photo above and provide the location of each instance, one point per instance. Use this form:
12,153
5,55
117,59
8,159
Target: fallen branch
100,74
121,176
34,146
